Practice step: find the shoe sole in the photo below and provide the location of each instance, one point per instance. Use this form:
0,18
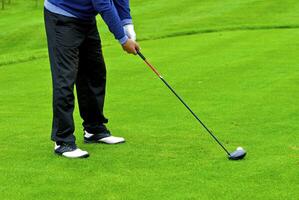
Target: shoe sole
83,156
100,142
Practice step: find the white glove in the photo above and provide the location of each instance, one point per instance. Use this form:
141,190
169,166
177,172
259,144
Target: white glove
129,31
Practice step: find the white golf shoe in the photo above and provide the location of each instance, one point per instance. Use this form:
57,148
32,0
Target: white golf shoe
70,151
102,138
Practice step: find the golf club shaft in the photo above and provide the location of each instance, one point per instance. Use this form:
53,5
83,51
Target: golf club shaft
181,100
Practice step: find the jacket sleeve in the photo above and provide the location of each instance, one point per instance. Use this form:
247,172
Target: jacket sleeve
110,15
123,9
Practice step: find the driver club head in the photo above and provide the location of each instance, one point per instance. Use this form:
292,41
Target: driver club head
239,154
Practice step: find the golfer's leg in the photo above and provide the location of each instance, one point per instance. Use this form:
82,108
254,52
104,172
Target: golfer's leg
91,82
63,44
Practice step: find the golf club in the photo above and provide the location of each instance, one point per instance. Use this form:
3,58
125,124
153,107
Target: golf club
238,154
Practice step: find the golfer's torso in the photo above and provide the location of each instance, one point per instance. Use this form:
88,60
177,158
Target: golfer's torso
81,8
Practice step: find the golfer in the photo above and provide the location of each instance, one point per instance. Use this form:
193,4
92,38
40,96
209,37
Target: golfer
76,59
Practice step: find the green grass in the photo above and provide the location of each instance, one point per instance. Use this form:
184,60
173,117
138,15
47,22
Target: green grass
238,70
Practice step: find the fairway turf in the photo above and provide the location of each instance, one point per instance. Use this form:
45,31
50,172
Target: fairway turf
241,78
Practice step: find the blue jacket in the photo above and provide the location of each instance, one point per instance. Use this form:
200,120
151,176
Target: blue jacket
115,13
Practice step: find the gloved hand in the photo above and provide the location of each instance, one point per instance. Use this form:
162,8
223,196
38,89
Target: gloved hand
129,31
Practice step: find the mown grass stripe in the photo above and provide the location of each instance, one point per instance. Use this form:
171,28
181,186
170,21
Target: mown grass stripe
8,59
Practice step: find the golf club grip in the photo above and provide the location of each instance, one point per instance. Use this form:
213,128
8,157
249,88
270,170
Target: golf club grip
140,54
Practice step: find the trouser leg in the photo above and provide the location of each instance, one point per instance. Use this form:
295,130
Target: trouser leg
91,82
64,40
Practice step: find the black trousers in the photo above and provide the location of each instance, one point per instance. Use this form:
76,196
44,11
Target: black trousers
76,59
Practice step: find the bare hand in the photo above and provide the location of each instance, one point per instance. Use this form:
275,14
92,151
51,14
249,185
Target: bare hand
131,47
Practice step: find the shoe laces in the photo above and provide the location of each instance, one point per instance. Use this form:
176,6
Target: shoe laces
72,146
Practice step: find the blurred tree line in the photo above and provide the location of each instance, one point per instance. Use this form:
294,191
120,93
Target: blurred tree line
4,2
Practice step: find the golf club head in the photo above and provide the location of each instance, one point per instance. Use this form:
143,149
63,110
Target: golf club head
239,154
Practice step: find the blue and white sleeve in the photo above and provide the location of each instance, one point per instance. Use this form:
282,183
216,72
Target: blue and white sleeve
110,15
124,12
